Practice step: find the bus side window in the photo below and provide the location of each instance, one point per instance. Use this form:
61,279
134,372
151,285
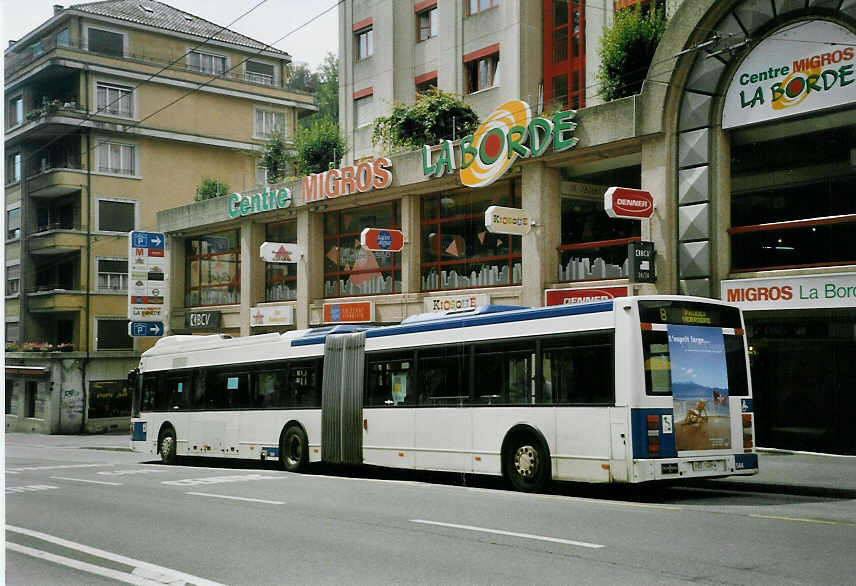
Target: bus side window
578,369
389,380
303,387
151,382
444,376
504,373
269,388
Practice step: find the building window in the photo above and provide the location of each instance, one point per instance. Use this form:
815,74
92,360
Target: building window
109,398
62,38
364,43
424,86
10,392
206,63
13,224
13,168
565,60
364,111
482,70
476,6
457,251
13,280
116,216
258,72
114,157
269,123
114,99
350,269
15,112
112,334
281,278
106,42
792,206
12,330
31,393
113,274
427,23
213,269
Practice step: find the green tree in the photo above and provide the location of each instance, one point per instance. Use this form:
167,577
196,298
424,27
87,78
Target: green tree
435,116
328,88
275,158
303,79
318,146
211,187
626,50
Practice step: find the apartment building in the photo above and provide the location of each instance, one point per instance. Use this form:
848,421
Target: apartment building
114,111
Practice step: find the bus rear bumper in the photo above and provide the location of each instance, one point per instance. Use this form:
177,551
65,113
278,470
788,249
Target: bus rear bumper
646,470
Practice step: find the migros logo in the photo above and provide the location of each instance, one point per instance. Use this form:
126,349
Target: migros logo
508,133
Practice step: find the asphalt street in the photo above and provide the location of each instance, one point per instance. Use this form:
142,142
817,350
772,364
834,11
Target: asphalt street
81,510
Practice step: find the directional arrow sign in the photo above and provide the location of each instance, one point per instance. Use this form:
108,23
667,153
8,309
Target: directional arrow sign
140,329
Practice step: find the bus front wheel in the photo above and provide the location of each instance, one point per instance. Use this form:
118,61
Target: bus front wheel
293,449
167,446
526,464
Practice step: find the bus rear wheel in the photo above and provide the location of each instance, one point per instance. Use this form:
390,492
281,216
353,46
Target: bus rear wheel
167,446
293,449
526,464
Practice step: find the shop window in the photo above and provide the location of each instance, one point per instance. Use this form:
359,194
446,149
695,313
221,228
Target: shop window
258,72
112,334
476,6
13,280
31,393
364,42
106,42
114,99
114,157
112,274
457,251
363,111
269,123
206,63
13,168
281,278
116,216
804,217
482,70
212,269
427,23
15,112
109,398
13,223
350,269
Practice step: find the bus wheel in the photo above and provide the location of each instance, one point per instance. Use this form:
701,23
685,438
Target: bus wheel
167,446
526,464
293,449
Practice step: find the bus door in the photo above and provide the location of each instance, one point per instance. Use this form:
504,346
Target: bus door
342,398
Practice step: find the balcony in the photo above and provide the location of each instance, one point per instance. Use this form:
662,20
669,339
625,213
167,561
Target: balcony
56,300
53,182
56,239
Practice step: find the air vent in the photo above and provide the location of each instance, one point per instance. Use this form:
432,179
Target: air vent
146,9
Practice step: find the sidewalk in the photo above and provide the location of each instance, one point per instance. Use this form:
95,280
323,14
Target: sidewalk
781,471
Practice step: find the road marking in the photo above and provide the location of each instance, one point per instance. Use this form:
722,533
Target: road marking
29,488
53,467
219,479
143,573
89,481
236,498
800,519
127,472
510,533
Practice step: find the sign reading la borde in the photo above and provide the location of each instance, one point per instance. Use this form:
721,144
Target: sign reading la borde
803,67
508,133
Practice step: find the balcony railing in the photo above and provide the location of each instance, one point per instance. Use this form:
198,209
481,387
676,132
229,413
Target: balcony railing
16,61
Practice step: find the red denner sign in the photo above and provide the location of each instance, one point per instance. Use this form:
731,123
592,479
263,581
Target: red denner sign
624,202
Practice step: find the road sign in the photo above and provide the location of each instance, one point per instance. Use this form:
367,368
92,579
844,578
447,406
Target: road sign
141,329
147,273
382,239
624,202
641,255
502,220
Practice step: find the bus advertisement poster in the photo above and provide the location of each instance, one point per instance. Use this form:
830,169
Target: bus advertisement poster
699,388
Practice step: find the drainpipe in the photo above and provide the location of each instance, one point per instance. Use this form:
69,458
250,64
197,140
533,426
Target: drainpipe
88,307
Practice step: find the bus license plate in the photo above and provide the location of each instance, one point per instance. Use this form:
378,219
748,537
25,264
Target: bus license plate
709,466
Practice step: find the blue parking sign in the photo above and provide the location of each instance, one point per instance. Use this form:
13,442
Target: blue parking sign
147,239
141,329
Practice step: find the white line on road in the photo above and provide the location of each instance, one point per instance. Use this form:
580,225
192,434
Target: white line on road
52,467
510,533
142,570
89,481
82,566
236,498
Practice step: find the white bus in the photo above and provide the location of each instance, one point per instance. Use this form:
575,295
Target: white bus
630,390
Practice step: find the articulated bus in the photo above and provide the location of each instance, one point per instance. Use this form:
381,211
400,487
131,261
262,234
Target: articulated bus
634,389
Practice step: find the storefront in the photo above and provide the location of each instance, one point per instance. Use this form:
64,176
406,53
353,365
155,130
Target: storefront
744,136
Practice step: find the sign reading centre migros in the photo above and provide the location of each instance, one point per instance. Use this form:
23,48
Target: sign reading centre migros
803,67
508,133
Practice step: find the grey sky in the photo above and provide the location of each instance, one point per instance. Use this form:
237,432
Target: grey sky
270,21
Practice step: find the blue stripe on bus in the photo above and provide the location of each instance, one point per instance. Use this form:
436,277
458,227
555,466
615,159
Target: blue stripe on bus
745,461
452,322
139,431
639,425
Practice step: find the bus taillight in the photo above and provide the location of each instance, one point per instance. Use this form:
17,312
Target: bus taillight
748,438
653,436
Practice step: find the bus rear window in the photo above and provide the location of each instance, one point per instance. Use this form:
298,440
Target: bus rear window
735,359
